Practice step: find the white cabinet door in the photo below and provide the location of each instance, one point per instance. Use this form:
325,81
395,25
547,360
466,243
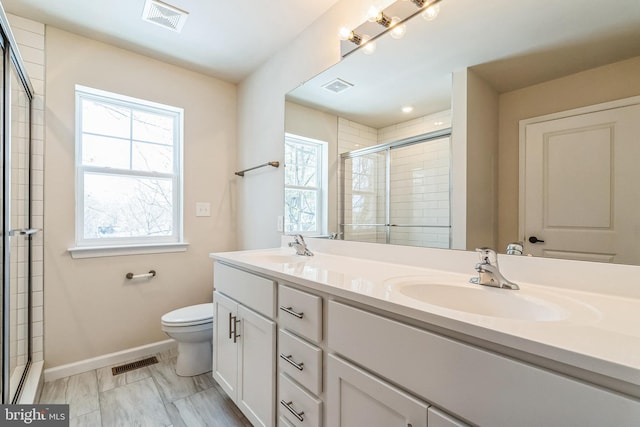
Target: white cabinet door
256,378
225,350
356,398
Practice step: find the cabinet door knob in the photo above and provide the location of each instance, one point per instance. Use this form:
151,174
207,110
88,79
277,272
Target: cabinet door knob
291,312
298,415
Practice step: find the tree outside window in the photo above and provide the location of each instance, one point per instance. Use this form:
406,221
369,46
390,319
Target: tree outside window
304,196
128,170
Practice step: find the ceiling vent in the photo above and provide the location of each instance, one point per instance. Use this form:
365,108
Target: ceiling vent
164,14
337,86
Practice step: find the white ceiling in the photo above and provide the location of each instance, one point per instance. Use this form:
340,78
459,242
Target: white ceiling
223,38
511,44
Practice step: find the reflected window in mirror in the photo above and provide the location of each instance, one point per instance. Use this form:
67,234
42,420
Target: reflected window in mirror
305,195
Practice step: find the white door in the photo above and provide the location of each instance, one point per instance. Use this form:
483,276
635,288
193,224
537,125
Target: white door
581,189
225,350
256,380
356,398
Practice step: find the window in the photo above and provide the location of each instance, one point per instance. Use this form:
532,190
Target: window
128,171
305,175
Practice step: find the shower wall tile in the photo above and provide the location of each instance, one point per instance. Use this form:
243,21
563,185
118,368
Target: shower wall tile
419,183
30,37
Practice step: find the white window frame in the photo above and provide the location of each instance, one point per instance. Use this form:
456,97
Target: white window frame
322,184
128,245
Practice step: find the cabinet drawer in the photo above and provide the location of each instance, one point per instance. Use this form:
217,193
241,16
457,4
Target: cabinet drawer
467,380
301,361
437,418
300,312
298,406
282,422
253,291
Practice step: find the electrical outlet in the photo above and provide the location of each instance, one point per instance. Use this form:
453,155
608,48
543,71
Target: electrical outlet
280,223
203,209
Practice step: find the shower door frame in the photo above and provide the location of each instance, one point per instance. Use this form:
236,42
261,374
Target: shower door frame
406,142
12,57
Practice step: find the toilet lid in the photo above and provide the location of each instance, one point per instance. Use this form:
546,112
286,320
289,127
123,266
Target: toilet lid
194,314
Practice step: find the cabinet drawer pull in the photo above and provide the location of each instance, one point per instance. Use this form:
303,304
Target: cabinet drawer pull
236,335
230,326
298,415
298,366
291,312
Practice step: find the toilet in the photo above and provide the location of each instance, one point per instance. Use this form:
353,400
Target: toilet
192,328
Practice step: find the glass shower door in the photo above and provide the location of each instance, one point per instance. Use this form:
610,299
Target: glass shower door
419,194
364,196
18,255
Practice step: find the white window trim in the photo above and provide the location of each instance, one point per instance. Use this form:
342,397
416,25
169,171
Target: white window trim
323,182
104,251
88,248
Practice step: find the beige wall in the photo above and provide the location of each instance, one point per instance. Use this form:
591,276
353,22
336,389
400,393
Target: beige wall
90,309
602,84
482,159
261,118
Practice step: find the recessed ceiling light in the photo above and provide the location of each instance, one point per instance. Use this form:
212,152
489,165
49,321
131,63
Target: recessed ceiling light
407,109
164,15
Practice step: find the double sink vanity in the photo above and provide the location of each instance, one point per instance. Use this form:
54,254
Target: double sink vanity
362,334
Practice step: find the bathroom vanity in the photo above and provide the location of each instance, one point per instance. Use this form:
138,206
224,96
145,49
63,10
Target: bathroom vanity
397,336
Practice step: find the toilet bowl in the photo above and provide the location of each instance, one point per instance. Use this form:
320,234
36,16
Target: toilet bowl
192,328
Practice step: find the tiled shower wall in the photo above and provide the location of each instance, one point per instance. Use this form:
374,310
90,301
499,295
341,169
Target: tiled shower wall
419,182
30,38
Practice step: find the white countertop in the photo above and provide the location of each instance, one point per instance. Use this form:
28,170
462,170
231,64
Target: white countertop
600,333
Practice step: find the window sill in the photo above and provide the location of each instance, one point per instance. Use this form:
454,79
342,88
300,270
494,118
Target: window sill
104,251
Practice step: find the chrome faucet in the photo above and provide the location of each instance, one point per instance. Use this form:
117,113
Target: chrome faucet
489,273
300,246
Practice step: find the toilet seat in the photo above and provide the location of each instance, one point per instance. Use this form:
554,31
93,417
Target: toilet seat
189,316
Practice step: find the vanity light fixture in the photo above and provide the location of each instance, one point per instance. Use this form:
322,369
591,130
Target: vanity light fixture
432,8
361,40
352,36
388,22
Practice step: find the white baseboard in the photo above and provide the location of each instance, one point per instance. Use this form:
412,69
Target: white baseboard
52,374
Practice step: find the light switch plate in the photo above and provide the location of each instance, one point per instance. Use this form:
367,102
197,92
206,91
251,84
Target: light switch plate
280,223
203,209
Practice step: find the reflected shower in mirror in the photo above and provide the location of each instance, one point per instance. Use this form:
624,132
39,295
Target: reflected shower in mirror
488,74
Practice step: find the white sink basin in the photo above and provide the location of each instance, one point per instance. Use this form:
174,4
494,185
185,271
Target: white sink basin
485,301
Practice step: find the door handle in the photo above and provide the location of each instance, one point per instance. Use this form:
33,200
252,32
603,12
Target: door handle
534,239
23,231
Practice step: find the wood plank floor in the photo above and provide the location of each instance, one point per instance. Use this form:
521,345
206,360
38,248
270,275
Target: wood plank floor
148,396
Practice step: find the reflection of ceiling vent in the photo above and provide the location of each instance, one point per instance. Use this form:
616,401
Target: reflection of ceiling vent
337,86
164,14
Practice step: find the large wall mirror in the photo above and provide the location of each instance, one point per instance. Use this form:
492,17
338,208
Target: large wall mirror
496,122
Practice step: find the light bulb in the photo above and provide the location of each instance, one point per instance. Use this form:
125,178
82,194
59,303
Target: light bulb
431,12
407,109
397,30
344,33
372,14
368,46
